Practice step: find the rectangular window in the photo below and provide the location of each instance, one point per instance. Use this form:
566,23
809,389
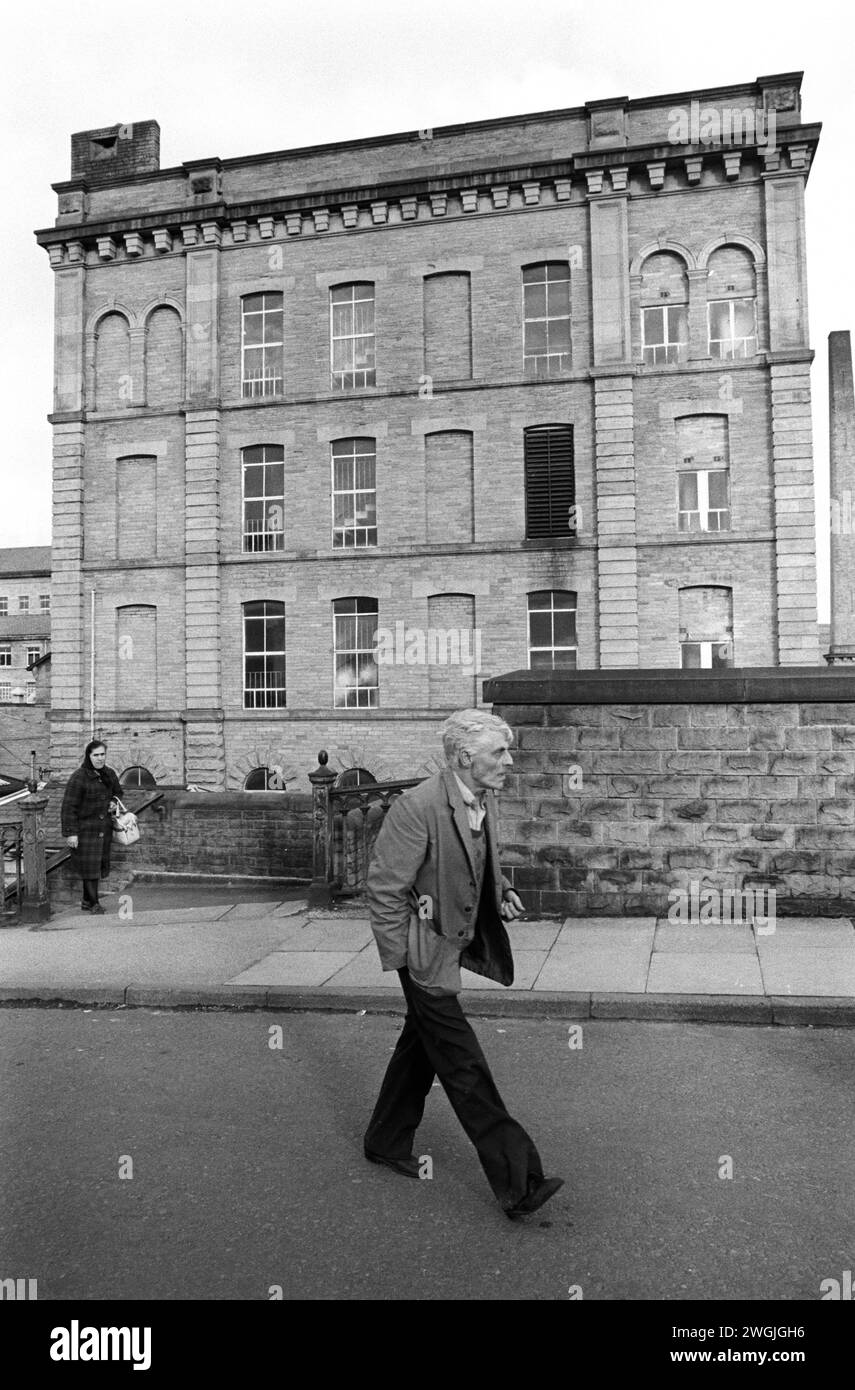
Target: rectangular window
732,328
550,490
5,691
706,656
355,665
264,655
33,654
352,337
31,693
261,344
4,606
552,630
354,492
23,603
702,502
44,603
665,334
546,320
5,656
263,497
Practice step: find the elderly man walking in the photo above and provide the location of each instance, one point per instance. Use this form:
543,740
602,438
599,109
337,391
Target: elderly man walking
438,899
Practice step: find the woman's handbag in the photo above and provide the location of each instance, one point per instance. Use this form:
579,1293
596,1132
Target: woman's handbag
125,828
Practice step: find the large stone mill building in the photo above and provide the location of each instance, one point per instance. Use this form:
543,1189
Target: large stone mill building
522,392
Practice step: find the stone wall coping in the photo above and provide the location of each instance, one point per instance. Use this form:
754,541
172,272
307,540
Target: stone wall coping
657,686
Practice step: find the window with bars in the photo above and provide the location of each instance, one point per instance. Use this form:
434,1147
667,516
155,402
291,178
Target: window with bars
262,344
137,777
546,319
263,497
6,691
352,363
550,489
354,492
264,655
732,328
552,642
355,677
702,500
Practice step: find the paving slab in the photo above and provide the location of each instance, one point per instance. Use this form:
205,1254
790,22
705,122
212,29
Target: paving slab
703,940
621,929
527,967
690,972
291,909
241,911
533,936
595,968
293,968
317,936
830,929
364,970
829,972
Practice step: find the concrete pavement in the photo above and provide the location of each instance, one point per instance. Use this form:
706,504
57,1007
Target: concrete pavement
282,954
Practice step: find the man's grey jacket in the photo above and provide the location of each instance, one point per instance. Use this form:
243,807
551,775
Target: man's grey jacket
422,890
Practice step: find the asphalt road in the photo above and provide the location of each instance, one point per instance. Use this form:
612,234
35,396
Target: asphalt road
247,1173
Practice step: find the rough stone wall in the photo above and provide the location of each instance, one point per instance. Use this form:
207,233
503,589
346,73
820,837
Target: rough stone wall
611,807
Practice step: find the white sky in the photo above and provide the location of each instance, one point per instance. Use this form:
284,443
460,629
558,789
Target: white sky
234,78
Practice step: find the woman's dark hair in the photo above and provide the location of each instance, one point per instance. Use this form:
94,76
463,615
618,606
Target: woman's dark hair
96,743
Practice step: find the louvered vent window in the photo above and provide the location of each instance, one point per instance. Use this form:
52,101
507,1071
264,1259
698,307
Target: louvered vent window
550,490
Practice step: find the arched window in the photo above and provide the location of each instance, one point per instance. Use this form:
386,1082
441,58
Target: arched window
137,777
731,303
264,779
113,387
354,777
664,309
164,358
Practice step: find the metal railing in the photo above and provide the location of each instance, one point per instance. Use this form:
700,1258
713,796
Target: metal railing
345,824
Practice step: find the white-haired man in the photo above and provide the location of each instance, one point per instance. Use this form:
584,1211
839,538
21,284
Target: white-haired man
438,898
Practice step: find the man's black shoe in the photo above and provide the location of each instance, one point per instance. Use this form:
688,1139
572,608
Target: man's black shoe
409,1167
96,909
85,907
535,1198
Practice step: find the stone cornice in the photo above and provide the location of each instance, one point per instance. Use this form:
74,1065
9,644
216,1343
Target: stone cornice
444,191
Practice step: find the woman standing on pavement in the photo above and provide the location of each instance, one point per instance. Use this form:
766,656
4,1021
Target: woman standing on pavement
87,807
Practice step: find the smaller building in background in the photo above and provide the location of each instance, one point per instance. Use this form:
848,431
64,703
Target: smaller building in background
25,602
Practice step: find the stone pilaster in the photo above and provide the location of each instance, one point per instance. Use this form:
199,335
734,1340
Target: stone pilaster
69,676
795,527
69,286
787,264
204,748
841,411
610,280
617,549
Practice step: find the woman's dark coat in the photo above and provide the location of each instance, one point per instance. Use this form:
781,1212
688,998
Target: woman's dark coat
85,814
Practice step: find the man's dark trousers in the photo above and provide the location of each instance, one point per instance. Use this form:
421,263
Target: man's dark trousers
437,1040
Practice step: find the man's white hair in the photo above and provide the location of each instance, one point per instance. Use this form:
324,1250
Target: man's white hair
466,727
